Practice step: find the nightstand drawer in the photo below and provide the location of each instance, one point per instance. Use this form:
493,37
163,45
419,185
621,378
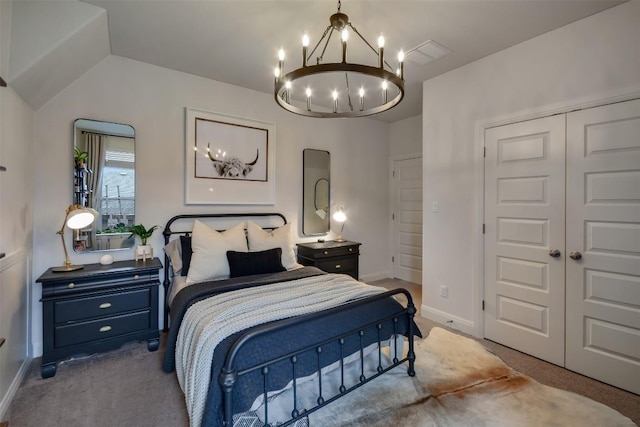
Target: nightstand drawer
89,283
78,333
341,265
327,252
103,305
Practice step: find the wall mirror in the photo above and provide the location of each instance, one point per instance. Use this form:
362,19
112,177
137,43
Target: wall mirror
316,165
105,180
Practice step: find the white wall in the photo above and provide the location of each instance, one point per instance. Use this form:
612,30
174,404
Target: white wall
405,137
153,99
16,189
593,60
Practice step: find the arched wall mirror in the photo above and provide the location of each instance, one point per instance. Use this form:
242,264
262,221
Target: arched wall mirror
315,192
105,180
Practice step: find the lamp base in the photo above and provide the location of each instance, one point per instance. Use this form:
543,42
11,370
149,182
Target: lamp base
65,268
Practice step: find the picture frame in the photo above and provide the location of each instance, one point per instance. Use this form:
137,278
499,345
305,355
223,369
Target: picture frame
229,160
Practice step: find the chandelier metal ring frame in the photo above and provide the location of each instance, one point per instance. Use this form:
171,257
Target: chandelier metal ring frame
339,21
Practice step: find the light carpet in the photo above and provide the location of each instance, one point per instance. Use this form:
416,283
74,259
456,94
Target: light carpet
459,383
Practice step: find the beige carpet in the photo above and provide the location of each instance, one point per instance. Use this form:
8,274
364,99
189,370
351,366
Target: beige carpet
459,383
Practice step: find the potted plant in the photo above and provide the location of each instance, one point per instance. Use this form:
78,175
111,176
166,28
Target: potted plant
144,250
80,157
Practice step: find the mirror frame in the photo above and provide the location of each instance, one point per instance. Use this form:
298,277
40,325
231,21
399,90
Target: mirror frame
120,130
312,182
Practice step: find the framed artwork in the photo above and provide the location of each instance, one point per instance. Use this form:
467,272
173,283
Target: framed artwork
229,160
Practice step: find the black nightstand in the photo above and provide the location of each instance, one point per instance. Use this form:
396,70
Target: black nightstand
98,308
331,256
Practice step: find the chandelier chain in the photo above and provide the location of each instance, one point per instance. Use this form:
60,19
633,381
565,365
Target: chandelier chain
346,77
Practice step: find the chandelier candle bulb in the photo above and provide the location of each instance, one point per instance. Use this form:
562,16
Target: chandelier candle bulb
335,101
288,86
381,52
281,62
308,92
385,86
345,38
305,45
401,64
361,93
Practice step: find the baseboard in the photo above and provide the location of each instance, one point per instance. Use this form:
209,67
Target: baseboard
13,388
453,322
372,277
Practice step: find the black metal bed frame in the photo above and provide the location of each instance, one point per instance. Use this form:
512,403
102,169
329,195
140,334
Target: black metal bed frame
229,375
167,233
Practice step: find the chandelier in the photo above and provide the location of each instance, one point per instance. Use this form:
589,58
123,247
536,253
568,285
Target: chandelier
328,86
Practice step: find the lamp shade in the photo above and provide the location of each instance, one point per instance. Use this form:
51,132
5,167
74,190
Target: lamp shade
339,216
80,217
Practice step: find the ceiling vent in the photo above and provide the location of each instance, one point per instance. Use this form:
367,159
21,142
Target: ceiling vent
427,52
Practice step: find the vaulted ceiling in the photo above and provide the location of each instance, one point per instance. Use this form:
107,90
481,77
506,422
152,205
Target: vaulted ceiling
236,42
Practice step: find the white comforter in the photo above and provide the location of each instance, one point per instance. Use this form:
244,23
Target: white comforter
208,322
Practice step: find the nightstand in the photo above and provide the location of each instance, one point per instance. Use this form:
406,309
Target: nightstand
331,256
98,308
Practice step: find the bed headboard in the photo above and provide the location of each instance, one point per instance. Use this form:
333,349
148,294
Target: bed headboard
182,225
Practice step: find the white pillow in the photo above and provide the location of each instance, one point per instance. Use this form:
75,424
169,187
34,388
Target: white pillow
261,240
209,259
173,249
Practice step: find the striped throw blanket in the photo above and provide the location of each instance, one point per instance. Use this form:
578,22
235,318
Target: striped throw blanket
210,321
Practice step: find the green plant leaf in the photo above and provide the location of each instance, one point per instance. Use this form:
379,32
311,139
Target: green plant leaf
142,232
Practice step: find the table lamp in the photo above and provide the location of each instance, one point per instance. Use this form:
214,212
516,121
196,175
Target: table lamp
339,216
77,217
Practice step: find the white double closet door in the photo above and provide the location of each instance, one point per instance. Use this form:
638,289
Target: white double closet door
562,240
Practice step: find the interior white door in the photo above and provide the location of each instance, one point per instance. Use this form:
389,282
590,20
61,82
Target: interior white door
524,292
407,230
603,224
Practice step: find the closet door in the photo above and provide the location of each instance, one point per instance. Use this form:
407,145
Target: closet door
524,291
603,226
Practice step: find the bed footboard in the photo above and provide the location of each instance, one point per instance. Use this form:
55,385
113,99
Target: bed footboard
230,375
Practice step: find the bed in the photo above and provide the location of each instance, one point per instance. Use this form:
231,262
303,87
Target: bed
270,341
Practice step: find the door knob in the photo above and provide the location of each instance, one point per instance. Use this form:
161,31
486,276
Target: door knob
554,253
575,255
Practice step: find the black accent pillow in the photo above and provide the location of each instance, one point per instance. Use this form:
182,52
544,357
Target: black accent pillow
248,263
185,243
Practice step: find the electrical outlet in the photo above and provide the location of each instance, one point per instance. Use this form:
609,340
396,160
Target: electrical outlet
444,291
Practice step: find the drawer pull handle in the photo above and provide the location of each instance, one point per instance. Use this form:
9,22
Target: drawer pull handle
71,285
105,305
338,266
136,277
326,252
105,329
350,249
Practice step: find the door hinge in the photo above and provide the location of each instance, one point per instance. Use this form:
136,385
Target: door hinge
393,259
393,173
393,217
483,228
484,151
482,305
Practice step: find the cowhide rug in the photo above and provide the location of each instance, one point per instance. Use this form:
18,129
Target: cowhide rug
459,383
